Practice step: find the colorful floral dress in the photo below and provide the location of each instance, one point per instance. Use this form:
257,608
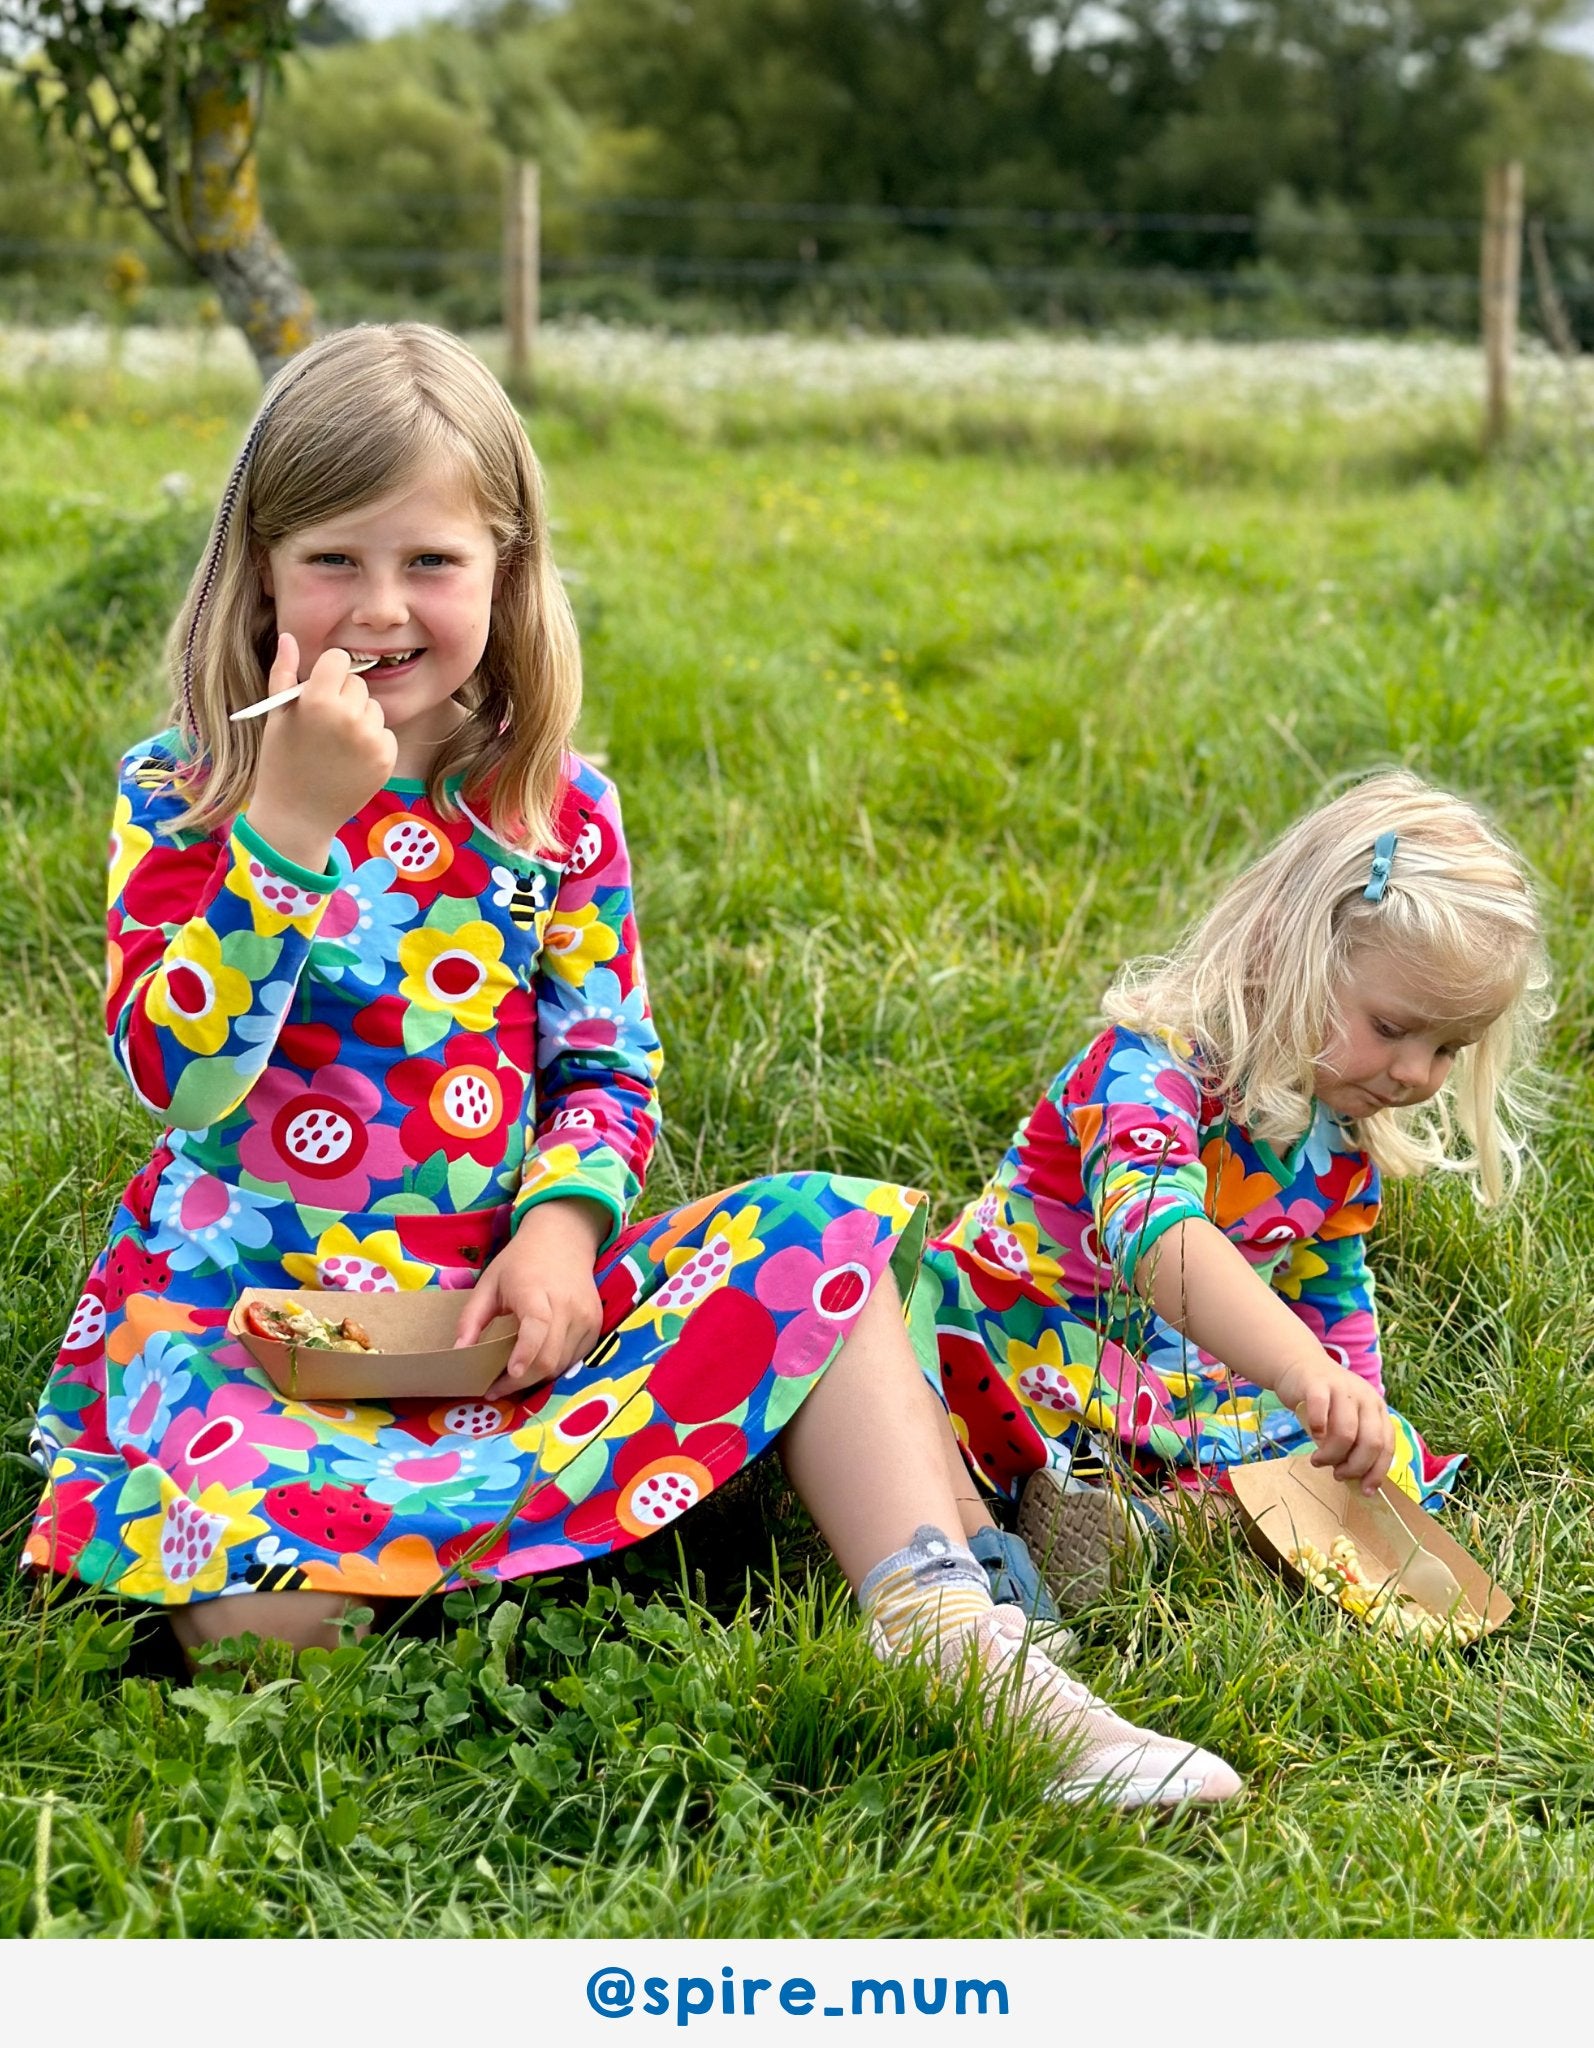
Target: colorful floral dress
1047,1355
369,1076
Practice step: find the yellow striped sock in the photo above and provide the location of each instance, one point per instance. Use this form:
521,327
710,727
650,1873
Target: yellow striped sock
924,1592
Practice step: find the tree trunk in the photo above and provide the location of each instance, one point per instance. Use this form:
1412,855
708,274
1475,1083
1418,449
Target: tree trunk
234,249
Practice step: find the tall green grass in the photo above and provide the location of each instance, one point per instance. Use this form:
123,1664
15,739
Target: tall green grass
916,744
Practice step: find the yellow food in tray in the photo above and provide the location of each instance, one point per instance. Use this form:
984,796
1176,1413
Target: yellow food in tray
292,1323
1380,1603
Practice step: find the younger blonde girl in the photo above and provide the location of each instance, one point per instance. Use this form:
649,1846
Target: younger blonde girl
1167,1271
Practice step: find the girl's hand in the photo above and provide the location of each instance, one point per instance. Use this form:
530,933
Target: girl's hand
1347,1420
321,759
543,1276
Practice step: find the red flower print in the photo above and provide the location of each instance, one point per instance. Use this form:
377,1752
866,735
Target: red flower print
321,1137
719,1357
430,855
827,1292
169,884
64,1523
129,952
459,1103
656,1478
1048,1156
382,1022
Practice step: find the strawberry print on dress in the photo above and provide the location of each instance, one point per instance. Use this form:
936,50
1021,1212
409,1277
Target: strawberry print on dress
1048,1357
368,1077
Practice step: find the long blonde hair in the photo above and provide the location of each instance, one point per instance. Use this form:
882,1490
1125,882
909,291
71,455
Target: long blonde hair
1253,985
355,418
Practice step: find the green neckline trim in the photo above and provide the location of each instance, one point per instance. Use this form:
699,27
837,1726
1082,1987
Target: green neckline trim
415,785
1284,1170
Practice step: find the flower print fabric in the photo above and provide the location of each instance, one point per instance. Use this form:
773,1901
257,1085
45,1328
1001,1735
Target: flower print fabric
1048,1356
369,1077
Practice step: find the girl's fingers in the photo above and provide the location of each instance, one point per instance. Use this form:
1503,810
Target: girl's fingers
479,1312
528,1346
285,664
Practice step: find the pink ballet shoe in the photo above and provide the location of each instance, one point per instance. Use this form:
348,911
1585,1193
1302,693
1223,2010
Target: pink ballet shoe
1106,1757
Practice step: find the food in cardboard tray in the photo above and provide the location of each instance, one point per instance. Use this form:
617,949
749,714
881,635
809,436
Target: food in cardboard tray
292,1323
1380,1603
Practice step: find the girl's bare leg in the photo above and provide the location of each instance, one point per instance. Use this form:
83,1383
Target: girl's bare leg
871,1451
306,1621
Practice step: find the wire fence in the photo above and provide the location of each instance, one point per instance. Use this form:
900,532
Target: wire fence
894,267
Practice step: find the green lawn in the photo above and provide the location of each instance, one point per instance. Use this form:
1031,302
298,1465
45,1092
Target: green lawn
915,747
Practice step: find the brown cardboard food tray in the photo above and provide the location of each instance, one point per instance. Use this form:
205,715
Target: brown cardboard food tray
1288,1501
414,1334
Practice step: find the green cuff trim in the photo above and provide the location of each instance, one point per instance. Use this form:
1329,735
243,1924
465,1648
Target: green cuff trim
1148,1233
279,863
561,1190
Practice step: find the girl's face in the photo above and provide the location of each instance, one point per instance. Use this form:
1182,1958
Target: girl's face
1395,1043
409,577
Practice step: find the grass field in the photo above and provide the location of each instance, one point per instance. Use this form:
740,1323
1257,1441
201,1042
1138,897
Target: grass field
917,742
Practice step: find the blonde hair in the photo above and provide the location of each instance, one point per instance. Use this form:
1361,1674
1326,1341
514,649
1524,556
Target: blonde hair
357,417
1253,985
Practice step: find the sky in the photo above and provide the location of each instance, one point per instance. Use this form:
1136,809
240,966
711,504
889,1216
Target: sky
381,17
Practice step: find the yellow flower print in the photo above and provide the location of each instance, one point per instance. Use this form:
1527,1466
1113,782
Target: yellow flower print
461,973
129,844
1305,1264
182,1548
740,1233
274,902
340,1418
1054,1388
564,1428
544,1168
357,1265
193,995
575,942
897,1205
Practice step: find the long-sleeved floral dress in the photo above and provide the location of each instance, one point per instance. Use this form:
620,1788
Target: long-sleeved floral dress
369,1076
1047,1355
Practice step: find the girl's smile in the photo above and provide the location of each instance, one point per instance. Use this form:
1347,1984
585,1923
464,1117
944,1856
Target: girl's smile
405,586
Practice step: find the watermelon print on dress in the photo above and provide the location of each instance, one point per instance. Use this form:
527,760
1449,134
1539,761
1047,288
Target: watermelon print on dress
368,1077
1047,1356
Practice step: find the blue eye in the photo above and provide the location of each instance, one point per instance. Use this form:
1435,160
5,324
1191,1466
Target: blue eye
433,561
328,557
1386,1030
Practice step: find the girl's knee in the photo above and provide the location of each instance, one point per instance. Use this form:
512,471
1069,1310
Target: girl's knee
304,1621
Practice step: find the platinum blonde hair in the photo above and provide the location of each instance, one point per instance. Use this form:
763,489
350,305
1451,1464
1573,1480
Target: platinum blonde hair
359,416
1254,985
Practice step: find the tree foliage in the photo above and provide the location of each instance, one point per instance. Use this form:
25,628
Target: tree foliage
161,108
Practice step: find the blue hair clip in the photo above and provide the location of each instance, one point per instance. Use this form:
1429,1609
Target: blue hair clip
1383,860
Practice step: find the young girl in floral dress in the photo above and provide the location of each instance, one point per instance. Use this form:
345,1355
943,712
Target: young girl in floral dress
1166,1274
373,960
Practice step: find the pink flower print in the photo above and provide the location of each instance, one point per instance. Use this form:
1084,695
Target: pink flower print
1080,1253
1350,1340
321,1137
827,1291
1274,1227
228,1444
1143,1402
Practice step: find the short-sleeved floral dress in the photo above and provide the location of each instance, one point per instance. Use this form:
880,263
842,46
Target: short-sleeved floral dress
1047,1355
368,1077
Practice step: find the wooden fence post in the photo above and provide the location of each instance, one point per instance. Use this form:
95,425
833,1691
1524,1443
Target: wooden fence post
1501,282
522,267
